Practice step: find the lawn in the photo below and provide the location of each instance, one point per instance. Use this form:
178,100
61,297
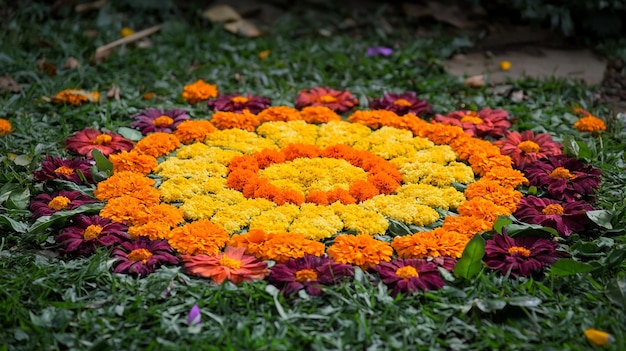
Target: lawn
58,298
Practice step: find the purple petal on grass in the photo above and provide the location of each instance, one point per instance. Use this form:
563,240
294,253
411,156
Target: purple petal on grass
379,50
194,317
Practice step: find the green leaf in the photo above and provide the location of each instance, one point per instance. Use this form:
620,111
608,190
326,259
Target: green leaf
6,190
567,266
490,305
102,162
616,292
524,301
501,222
470,263
18,199
570,146
15,225
601,218
129,133
397,228
22,160
42,223
525,229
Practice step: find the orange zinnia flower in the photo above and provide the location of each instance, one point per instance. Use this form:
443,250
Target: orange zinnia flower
227,120
232,264
157,144
360,250
196,130
199,237
199,91
133,162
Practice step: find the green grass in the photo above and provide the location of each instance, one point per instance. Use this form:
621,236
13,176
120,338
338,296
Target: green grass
51,302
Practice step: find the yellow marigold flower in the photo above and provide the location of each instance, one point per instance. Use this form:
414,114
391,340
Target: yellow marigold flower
151,230
398,208
197,168
316,222
360,250
285,133
133,162
599,337
157,144
340,132
122,183
199,237
319,114
590,124
193,130
279,113
126,31
276,219
361,220
492,190
506,176
228,120
75,97
239,140
5,127
436,197
200,206
436,243
505,65
199,91
264,54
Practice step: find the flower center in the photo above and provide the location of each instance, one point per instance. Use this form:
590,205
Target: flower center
402,102
139,255
561,172
407,272
102,139
553,209
327,99
59,203
519,251
528,146
240,99
92,232
306,275
163,121
472,117
64,170
230,262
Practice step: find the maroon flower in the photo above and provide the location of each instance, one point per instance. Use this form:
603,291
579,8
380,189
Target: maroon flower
84,141
565,217
309,273
408,275
88,233
337,100
47,204
485,123
565,178
521,256
444,262
526,148
401,104
58,168
142,256
238,103
153,120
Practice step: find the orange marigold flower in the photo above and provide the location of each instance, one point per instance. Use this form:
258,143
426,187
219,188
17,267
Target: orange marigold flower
123,209
341,195
374,118
242,162
279,113
157,144
362,190
161,213
319,114
506,176
199,237
441,134
194,130
360,250
280,247
288,196
590,124
293,151
318,197
199,91
239,178
122,183
436,243
152,230
133,162
75,97
483,209
267,157
148,96
383,182
232,264
481,163
252,241
227,120
465,225
5,127
494,192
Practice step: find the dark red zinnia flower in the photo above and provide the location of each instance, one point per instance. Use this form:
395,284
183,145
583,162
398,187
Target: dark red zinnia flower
408,275
87,233
153,120
565,178
239,102
526,147
309,273
565,217
401,104
47,204
84,141
339,101
481,124
520,256
58,168
142,256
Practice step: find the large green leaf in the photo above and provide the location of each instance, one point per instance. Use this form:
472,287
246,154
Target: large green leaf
567,266
470,263
616,292
102,162
601,218
42,223
18,199
129,133
15,225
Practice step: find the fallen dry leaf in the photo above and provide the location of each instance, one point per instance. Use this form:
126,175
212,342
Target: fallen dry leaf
243,27
91,33
221,13
49,68
105,50
90,6
475,81
71,63
518,96
114,93
144,43
8,85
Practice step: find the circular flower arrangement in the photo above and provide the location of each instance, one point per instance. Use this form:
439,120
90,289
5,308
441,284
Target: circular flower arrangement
315,194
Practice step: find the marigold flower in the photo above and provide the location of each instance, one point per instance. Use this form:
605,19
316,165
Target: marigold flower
408,275
401,104
506,176
374,119
360,250
309,273
337,100
521,256
481,124
126,31
84,141
505,65
133,162
199,91
199,237
599,337
239,103
492,190
264,54
157,144
122,183
244,120
465,225
279,113
123,209
5,127
526,147
591,124
142,256
436,243
75,97
565,217
232,264
151,230
86,233
47,204
156,120
58,168
278,246
483,209
319,114
197,130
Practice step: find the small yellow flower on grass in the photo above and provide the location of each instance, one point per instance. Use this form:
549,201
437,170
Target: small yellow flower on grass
5,127
264,54
126,32
599,337
505,65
